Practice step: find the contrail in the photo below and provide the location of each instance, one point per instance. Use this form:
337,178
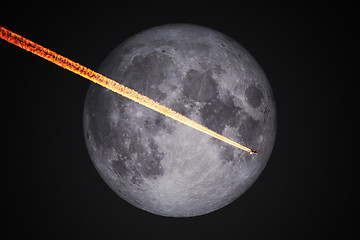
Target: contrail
95,77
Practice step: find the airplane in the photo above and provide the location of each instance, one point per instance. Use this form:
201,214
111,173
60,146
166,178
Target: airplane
253,152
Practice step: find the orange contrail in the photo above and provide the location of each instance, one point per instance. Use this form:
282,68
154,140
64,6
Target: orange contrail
77,68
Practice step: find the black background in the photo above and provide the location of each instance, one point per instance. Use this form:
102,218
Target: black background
51,188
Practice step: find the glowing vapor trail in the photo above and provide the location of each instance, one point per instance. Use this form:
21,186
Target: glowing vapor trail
74,67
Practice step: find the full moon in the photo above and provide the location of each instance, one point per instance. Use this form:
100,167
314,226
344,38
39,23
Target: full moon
158,164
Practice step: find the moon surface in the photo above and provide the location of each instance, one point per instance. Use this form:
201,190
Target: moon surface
158,164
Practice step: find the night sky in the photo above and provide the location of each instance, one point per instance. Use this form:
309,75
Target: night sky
51,188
